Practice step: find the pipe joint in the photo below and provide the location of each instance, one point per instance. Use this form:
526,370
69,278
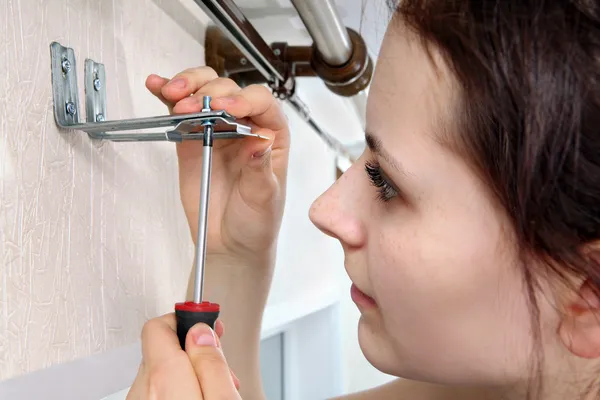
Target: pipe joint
351,77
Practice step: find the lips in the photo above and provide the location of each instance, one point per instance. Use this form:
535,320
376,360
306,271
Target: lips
360,298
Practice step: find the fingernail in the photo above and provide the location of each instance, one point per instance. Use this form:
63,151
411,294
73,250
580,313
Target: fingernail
177,83
259,154
204,336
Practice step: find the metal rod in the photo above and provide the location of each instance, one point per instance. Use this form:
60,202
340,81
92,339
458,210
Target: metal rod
142,123
326,29
203,208
186,127
132,137
168,136
240,31
202,222
227,15
330,140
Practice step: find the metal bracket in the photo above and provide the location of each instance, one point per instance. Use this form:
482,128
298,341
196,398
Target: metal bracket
66,109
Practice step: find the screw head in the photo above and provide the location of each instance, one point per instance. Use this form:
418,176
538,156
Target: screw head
99,118
71,109
97,84
243,61
277,52
66,66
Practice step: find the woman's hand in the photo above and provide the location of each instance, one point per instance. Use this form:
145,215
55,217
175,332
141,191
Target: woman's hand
247,196
248,182
169,373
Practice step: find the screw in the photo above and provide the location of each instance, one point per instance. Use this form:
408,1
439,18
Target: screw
71,110
99,118
277,52
243,61
206,108
206,103
66,66
97,84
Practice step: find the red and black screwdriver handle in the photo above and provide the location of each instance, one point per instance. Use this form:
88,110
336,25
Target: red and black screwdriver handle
189,314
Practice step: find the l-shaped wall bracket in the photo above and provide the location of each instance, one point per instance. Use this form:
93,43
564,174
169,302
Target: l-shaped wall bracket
67,113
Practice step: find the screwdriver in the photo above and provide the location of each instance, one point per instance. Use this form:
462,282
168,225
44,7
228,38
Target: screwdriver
190,313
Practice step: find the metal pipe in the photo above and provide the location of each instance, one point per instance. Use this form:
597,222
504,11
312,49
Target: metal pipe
326,29
227,15
331,141
232,21
203,212
202,219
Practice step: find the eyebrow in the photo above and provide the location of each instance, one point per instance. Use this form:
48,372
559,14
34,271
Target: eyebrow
376,147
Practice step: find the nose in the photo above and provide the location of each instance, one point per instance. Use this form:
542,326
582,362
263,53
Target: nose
340,211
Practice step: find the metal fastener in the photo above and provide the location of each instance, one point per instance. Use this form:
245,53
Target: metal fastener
99,118
206,108
66,66
243,61
71,110
277,52
97,84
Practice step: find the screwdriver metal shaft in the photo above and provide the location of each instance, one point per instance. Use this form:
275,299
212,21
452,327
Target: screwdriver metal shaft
200,259
190,313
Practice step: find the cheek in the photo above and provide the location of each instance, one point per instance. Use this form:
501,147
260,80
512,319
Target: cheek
436,260
449,290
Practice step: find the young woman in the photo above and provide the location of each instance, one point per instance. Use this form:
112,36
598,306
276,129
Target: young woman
470,225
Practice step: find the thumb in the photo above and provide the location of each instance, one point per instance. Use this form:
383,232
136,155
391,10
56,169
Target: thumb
209,364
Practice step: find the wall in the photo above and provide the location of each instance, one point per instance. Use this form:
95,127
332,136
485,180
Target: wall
92,235
90,232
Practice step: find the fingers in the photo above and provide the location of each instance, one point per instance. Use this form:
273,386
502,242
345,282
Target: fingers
219,328
219,331
184,93
155,83
187,83
258,172
159,340
166,372
217,87
236,380
214,375
256,102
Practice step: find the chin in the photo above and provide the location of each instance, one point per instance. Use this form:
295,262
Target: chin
376,347
380,351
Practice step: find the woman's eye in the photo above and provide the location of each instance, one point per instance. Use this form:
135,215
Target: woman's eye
385,189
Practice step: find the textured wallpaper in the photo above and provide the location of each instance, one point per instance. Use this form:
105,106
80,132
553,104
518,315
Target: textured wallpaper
93,239
92,236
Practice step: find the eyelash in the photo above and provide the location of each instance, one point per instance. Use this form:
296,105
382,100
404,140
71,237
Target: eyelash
385,189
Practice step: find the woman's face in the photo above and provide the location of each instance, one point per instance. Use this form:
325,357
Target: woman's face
429,247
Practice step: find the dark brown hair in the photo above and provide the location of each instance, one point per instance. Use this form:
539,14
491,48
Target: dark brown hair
529,121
